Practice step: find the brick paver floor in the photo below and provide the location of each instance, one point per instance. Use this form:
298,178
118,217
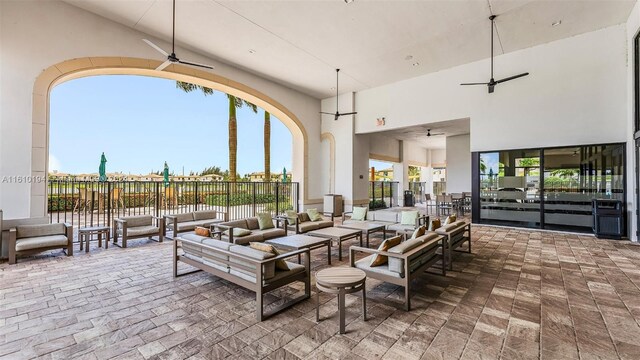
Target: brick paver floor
520,295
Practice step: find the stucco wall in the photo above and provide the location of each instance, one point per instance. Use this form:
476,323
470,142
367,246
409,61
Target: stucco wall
458,164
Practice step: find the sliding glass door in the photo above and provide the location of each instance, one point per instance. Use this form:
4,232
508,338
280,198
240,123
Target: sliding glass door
551,188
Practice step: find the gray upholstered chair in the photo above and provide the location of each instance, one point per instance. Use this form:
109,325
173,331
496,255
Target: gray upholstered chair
138,226
32,239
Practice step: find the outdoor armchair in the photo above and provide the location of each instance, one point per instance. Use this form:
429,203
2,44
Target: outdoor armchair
31,239
138,226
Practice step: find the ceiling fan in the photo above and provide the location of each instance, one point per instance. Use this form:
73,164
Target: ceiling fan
429,134
338,114
172,58
492,83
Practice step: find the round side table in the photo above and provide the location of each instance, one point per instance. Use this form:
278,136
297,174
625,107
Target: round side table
341,281
86,233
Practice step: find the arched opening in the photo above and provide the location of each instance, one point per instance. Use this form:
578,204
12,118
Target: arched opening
82,67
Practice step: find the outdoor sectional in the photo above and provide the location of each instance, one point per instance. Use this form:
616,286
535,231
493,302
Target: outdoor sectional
179,223
224,231
242,265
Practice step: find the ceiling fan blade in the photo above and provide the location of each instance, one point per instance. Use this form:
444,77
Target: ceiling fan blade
195,64
322,112
474,84
512,77
163,65
492,87
156,47
349,113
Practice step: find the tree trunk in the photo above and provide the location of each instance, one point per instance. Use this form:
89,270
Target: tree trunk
267,146
233,139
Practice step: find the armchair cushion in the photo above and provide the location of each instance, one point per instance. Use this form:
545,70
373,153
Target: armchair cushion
26,231
37,242
141,231
359,213
182,217
265,221
409,217
363,264
138,220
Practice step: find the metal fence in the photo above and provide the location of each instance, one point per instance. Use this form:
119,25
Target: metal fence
382,193
93,203
439,187
418,189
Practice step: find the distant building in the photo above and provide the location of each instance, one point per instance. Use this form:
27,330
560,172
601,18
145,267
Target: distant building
259,177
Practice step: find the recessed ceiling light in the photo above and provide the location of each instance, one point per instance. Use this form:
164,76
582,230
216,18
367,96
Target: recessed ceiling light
348,1
408,57
333,88
556,23
251,51
415,63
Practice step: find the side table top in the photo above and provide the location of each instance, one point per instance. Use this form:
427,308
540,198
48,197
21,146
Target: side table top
93,228
334,232
340,276
297,241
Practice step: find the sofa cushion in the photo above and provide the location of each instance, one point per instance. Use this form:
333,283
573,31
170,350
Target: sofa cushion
385,216
292,216
138,220
280,264
314,215
450,227
401,228
271,233
37,242
182,218
359,213
205,214
303,217
23,231
363,264
245,240
265,221
323,224
307,226
205,223
397,265
409,217
241,223
142,231
252,223
279,275
188,225
268,269
378,260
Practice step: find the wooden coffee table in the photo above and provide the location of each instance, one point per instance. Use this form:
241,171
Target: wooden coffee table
86,233
339,235
341,281
366,227
298,241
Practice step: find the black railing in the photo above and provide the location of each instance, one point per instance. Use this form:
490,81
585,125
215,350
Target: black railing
382,193
418,189
93,203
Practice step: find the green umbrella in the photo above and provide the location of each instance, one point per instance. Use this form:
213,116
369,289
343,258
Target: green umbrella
284,174
103,168
165,180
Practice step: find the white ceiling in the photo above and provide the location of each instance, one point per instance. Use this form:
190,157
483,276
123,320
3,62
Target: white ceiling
439,132
300,43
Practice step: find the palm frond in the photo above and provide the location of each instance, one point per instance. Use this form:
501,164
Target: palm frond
188,87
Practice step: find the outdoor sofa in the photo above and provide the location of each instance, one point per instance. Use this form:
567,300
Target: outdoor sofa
456,234
406,261
393,220
228,231
242,265
179,223
32,239
138,226
302,223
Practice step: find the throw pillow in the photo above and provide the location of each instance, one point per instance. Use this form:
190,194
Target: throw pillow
280,264
304,217
292,216
314,215
378,260
359,213
419,232
409,217
450,219
435,224
265,221
202,231
238,232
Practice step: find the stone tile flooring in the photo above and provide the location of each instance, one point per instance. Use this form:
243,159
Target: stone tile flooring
520,295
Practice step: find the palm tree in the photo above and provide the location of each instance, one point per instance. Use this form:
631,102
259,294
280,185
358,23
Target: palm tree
267,146
234,104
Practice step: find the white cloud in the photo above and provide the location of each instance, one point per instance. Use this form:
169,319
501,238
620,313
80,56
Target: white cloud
54,163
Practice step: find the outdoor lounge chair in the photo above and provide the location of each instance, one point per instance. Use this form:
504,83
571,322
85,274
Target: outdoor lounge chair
179,223
456,233
137,227
32,239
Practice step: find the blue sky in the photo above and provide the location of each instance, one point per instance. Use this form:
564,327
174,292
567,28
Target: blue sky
140,122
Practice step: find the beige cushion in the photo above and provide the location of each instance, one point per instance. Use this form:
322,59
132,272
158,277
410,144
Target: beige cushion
188,225
450,227
142,231
242,223
324,224
397,265
401,228
245,240
182,217
252,223
23,231
409,217
359,213
138,220
272,233
307,226
38,242
265,221
279,275
406,246
378,260
384,216
280,264
268,269
363,264
204,214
